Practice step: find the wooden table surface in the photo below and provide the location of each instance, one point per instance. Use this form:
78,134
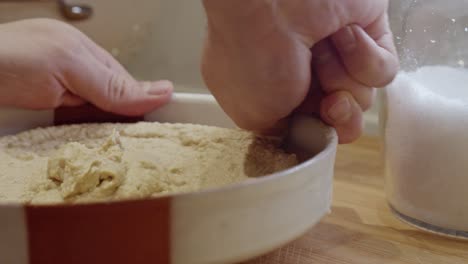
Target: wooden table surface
361,229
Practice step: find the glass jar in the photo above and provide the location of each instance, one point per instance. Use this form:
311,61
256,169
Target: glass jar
424,118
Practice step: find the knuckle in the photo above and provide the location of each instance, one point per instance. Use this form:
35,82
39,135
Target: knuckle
115,87
117,90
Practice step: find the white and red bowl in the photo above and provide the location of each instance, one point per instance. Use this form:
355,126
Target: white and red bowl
219,225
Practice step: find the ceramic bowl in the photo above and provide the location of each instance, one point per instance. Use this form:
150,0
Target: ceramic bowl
219,225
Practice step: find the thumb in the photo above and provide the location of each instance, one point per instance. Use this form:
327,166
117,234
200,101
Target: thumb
120,93
126,96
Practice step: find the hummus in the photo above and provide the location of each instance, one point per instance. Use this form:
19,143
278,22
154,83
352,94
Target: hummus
101,162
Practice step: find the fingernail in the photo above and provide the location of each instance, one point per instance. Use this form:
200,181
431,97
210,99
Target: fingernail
345,39
340,112
158,88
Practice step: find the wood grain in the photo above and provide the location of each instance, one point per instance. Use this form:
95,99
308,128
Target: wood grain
361,229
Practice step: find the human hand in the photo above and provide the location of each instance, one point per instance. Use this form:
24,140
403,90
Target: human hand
45,64
265,59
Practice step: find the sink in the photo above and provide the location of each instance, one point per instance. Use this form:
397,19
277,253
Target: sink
153,39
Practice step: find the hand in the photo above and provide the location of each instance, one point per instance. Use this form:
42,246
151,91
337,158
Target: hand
265,59
45,64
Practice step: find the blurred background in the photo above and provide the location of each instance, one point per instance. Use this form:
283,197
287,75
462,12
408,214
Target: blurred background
153,39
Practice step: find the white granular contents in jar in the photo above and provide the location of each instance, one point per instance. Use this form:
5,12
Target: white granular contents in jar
426,145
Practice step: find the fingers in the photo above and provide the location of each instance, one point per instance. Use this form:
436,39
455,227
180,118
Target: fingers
348,66
338,109
126,96
341,111
108,84
116,92
333,76
365,60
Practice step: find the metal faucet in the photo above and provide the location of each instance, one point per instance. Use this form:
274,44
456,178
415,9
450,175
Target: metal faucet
70,11
74,11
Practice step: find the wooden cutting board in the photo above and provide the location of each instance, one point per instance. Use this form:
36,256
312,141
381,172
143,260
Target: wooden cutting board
361,229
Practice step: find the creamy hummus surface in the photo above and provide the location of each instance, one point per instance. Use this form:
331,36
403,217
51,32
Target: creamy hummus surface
100,162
